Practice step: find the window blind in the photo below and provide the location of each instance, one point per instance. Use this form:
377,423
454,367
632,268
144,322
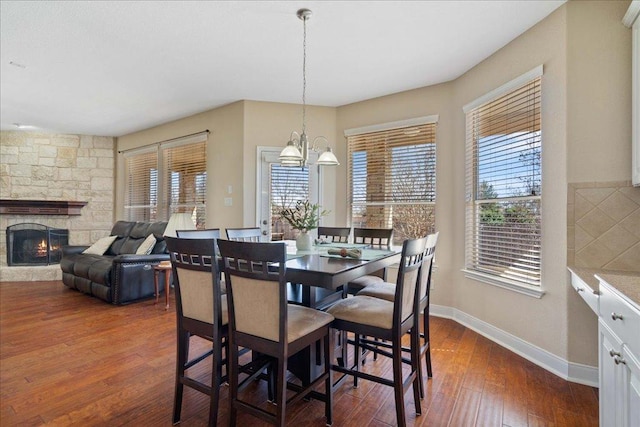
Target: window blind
503,180
393,180
141,193
185,179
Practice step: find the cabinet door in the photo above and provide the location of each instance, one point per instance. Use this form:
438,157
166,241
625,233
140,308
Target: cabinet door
611,410
631,396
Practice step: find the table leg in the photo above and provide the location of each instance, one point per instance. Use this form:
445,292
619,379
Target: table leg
167,286
155,284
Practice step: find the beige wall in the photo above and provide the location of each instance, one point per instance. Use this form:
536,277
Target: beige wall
224,159
586,110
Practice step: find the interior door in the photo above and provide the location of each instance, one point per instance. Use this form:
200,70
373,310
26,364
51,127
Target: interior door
281,187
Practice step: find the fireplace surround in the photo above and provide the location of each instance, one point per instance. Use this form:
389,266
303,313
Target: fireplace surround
35,244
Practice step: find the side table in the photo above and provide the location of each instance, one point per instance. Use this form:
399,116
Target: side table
166,267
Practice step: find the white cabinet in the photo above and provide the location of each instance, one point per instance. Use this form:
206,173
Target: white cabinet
619,335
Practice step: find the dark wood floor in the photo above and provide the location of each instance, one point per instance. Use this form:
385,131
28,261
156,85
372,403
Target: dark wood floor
69,359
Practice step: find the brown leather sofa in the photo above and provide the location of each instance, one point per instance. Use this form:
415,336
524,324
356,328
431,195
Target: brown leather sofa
120,276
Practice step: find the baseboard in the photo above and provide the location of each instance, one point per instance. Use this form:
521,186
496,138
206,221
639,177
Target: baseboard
574,372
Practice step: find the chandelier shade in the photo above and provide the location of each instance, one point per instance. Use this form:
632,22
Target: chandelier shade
296,153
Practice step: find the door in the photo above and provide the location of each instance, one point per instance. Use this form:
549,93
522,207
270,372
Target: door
280,187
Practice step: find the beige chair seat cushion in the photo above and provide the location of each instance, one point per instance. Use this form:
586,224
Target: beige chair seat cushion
364,310
363,281
304,320
382,290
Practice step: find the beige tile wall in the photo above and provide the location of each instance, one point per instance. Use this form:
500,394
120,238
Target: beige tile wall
603,225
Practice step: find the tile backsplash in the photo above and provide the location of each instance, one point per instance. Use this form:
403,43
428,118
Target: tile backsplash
603,225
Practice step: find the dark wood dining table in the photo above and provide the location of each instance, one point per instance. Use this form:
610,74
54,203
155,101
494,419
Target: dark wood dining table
316,280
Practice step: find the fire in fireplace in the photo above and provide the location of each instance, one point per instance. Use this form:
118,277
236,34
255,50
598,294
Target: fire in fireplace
35,244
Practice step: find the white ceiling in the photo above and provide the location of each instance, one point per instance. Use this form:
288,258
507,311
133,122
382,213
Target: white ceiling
114,67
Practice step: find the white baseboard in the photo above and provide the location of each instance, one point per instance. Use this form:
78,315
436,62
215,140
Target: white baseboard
573,372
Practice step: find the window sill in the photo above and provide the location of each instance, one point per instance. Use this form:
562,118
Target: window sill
531,291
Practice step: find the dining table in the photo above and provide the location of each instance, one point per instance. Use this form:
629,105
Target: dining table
316,279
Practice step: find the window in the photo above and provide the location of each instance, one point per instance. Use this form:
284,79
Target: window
503,181
392,177
288,185
168,177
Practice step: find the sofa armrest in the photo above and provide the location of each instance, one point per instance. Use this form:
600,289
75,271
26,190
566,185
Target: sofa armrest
72,250
133,277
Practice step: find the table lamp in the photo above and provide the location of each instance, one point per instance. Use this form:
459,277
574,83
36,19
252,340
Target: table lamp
179,221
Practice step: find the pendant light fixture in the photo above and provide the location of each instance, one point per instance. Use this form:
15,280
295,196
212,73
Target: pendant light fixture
296,153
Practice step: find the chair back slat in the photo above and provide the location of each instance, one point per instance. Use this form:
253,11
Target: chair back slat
376,237
334,234
427,267
249,234
256,286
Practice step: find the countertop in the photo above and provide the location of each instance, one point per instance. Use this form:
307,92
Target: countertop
626,283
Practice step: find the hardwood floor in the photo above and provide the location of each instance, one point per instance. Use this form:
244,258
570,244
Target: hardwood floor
69,359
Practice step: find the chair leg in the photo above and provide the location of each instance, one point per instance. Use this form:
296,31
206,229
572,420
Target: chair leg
281,392
398,389
356,357
418,390
425,321
328,385
216,374
232,366
183,340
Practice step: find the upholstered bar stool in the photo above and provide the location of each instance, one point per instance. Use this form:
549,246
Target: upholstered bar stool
261,319
248,234
388,321
386,291
377,238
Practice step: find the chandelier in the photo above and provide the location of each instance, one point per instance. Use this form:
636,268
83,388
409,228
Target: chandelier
296,153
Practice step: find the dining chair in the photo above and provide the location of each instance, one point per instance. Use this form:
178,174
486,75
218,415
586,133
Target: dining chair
261,319
201,310
386,291
247,234
334,234
387,321
209,233
377,238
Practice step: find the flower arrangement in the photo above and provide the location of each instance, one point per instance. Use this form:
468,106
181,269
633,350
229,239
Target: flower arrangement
304,216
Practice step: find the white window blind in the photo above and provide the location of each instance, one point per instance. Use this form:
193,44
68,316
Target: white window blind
288,185
185,179
169,177
141,193
392,175
503,180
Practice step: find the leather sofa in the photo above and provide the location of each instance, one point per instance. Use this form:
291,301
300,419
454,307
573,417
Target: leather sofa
119,276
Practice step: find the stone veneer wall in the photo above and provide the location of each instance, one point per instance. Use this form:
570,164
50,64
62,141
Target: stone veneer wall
36,166
604,226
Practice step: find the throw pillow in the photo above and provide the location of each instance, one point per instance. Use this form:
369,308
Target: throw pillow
146,247
101,246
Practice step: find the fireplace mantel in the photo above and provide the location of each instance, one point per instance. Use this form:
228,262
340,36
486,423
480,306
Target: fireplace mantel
40,207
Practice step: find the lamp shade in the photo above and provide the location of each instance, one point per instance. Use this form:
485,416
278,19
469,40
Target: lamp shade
179,221
290,153
328,158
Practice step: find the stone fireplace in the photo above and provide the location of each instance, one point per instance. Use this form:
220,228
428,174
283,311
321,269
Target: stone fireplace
53,169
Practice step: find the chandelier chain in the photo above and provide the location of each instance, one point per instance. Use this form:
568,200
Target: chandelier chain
304,74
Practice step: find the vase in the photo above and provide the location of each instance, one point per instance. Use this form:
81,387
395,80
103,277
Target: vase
303,241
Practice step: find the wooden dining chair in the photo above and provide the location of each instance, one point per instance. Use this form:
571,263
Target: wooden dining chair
201,310
209,233
386,291
377,238
261,319
334,234
388,321
247,234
